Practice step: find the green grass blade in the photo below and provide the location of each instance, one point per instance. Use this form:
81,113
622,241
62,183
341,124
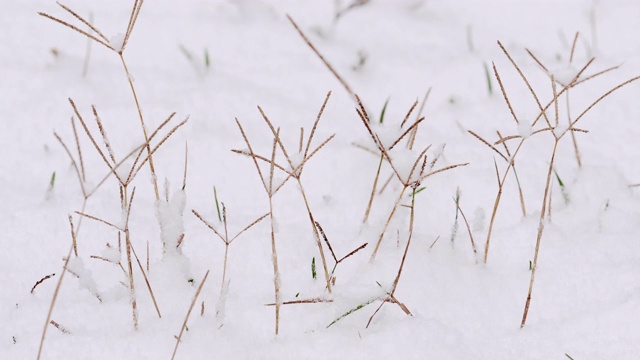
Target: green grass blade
351,311
384,110
215,195
487,74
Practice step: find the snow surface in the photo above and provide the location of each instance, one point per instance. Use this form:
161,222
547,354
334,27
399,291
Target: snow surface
586,299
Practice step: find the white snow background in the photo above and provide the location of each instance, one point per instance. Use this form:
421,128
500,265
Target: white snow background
586,296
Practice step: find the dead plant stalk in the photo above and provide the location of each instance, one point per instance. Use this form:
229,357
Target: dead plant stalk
186,318
57,290
557,138
542,113
296,173
226,239
391,295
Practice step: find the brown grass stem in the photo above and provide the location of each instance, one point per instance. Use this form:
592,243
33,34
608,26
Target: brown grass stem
226,239
146,280
473,244
414,131
322,58
41,281
186,318
56,291
515,175
519,146
297,174
274,252
541,224
404,258
304,301
144,127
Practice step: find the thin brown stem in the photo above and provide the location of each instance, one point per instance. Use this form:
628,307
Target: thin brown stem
186,318
488,144
373,191
255,161
573,47
144,127
62,22
386,225
79,148
504,93
41,281
137,5
249,226
88,23
100,220
274,252
304,301
414,131
74,164
515,174
526,81
573,135
56,291
315,125
539,236
93,141
324,61
146,280
402,262
473,244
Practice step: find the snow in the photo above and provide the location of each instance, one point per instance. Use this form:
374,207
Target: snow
117,41
407,164
478,220
170,217
388,134
84,275
560,129
112,254
565,74
586,294
524,128
296,159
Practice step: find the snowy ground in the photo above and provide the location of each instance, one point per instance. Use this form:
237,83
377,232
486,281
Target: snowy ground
586,298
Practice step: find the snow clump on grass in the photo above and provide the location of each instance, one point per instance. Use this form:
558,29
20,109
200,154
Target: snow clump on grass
404,161
387,134
76,267
565,75
117,41
170,216
524,129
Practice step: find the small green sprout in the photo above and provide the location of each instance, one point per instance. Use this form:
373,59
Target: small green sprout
417,191
313,267
384,110
563,189
52,183
207,61
351,311
487,74
215,195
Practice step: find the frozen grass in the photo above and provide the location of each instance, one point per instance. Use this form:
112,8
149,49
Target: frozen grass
300,284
